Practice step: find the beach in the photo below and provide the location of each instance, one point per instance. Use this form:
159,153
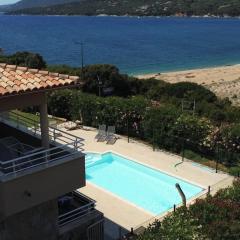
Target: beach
223,81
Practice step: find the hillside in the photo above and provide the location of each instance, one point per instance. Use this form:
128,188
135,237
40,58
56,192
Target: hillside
4,8
24,4
139,8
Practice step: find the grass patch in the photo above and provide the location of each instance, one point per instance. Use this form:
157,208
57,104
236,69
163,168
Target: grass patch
203,160
235,171
24,118
29,118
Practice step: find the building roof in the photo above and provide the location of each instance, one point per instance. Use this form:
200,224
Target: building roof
17,80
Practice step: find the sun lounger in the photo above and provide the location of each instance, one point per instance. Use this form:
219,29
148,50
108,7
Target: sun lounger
101,136
111,138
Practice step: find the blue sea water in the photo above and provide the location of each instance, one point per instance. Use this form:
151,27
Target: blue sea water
142,186
135,45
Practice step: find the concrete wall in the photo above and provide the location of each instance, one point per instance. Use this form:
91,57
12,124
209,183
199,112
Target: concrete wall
41,185
38,223
41,223
78,231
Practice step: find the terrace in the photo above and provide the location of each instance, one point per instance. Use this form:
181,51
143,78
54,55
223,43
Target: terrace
76,209
126,214
21,150
74,206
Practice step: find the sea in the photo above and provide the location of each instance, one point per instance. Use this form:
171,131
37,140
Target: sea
136,45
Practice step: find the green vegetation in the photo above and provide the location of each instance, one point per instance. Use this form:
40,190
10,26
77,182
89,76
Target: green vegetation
140,8
216,218
35,3
28,119
157,112
162,124
27,59
151,110
30,116
31,119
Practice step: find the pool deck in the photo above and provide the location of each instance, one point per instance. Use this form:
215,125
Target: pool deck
124,213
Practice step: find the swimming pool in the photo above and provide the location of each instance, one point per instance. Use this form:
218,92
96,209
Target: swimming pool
147,188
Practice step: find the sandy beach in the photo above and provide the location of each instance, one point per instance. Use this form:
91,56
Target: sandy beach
223,81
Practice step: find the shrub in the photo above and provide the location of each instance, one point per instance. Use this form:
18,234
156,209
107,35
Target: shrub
60,103
26,59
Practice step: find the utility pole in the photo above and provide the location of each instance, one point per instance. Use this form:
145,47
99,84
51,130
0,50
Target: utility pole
82,56
183,149
218,157
99,85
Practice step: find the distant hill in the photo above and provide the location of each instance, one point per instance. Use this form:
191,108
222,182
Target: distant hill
4,8
25,4
136,7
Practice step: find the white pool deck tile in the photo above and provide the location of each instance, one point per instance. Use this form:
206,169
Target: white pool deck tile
124,213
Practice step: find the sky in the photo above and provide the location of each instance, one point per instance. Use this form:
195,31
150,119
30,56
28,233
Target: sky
2,2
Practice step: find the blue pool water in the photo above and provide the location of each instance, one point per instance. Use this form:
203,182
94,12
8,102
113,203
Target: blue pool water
145,187
135,45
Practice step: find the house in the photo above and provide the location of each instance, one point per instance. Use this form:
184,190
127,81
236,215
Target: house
40,166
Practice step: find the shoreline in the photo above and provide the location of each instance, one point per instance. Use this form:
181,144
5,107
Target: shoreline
158,75
229,72
126,15
224,81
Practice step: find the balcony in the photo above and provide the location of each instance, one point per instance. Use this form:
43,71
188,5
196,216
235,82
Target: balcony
32,159
74,206
31,174
75,211
18,157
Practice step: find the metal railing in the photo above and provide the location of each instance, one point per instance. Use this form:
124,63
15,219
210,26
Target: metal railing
78,213
65,145
42,157
56,135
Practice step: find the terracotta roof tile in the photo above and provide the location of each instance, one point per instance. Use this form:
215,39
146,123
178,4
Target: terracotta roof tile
22,69
53,74
63,76
2,90
75,78
15,79
13,67
43,72
33,70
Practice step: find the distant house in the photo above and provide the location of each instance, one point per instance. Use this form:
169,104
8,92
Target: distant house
40,166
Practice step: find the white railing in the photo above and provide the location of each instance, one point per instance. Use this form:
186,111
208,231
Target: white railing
42,157
57,136
65,145
77,213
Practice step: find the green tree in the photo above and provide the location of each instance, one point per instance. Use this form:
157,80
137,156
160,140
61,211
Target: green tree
26,59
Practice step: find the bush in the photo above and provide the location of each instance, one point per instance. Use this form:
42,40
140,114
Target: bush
60,103
26,59
109,78
164,126
110,111
234,171
191,91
